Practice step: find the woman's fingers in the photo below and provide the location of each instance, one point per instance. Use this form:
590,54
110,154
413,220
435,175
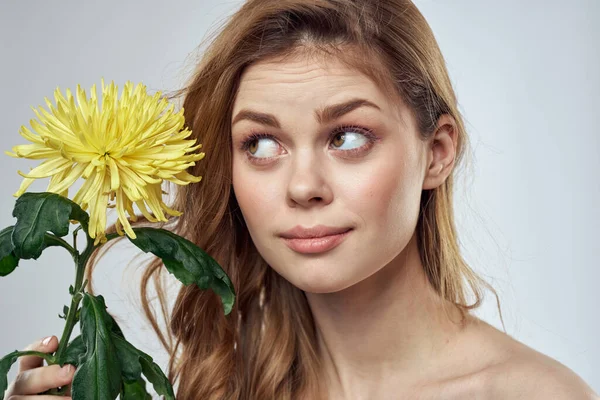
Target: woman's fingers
46,345
38,380
33,377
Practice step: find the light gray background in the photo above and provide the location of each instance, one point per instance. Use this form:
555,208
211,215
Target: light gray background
526,75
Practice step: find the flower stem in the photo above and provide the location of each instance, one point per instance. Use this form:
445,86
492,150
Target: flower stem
48,357
55,240
77,295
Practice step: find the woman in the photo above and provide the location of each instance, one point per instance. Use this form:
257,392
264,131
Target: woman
331,134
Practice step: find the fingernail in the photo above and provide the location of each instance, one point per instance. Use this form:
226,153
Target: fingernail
46,340
66,370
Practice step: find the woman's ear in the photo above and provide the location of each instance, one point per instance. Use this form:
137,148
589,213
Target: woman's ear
440,152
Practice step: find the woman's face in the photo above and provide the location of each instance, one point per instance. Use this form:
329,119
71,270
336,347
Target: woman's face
362,169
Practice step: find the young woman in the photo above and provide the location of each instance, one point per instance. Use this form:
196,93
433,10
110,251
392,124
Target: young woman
331,134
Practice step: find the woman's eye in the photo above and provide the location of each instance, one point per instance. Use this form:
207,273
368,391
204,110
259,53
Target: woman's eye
263,151
353,139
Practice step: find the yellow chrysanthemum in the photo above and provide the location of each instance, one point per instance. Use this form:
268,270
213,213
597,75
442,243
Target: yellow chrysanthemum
124,150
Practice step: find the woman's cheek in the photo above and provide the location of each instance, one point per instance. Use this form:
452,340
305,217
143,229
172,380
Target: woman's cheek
256,196
373,191
388,201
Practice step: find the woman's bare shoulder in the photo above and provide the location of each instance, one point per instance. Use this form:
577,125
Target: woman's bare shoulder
521,372
536,376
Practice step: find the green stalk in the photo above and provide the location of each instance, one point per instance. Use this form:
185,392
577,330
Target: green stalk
48,357
56,241
80,261
76,296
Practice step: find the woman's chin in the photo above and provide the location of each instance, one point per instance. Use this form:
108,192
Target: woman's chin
320,281
326,273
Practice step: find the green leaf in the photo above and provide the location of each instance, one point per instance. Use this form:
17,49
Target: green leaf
75,350
65,312
155,375
8,260
104,374
134,362
5,363
187,262
135,390
38,213
98,376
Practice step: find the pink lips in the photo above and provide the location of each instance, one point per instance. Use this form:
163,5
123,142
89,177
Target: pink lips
314,240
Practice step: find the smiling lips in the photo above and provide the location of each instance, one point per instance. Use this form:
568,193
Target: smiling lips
314,240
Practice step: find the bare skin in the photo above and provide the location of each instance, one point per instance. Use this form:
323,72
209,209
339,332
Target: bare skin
33,378
381,327
496,366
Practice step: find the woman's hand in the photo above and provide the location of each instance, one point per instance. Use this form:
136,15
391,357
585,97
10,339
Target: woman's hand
33,377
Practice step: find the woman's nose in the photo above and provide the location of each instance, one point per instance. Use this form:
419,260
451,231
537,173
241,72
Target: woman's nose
308,183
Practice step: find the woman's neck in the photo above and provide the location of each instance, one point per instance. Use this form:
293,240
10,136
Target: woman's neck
389,329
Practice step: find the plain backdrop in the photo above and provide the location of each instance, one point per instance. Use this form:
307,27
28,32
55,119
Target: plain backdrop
526,77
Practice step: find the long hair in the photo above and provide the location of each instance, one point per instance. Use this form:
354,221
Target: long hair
267,347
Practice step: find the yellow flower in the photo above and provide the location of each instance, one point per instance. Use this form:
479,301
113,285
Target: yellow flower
124,150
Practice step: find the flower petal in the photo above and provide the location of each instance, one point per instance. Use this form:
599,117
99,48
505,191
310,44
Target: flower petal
85,188
114,174
69,179
121,199
24,185
142,206
98,205
35,151
47,168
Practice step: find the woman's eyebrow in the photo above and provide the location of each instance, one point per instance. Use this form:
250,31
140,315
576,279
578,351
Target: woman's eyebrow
323,116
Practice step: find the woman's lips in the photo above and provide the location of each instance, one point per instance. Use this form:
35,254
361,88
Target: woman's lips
316,245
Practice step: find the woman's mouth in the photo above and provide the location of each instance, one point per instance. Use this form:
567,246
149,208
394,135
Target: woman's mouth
316,244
